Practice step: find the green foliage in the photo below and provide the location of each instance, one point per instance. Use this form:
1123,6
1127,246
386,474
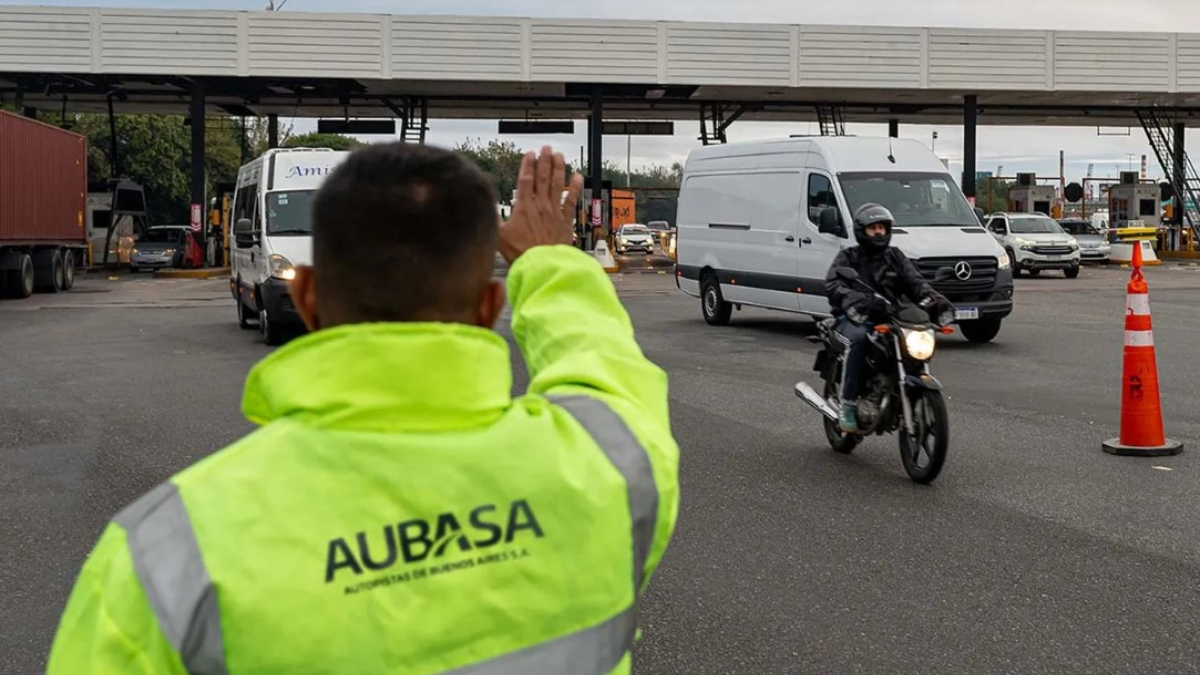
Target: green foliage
316,140
999,194
501,161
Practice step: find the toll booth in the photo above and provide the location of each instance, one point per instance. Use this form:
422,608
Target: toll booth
1133,201
220,210
116,216
1026,196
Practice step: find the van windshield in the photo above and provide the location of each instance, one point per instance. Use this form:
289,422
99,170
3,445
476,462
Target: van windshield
290,213
915,199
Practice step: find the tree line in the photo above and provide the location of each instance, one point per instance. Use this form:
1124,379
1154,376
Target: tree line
655,188
154,151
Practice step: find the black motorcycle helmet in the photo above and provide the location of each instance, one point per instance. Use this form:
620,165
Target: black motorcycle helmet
871,214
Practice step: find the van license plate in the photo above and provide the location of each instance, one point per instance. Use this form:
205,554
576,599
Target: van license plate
966,313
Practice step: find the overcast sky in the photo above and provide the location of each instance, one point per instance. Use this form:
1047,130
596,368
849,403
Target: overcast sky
1016,149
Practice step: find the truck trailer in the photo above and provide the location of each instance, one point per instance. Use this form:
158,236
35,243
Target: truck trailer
43,201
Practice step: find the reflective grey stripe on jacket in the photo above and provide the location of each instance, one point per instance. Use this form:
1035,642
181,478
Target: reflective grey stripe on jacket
167,559
625,452
170,567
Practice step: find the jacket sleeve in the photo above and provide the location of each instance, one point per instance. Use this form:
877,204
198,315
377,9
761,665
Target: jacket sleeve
914,284
108,627
577,338
842,296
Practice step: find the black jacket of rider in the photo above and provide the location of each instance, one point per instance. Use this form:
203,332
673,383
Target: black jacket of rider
890,273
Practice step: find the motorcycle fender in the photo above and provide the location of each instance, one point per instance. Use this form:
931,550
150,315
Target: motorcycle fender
923,381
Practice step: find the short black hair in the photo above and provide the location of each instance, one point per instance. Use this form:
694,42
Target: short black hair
403,232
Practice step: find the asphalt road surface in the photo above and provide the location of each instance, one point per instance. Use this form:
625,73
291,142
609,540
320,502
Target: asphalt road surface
1033,553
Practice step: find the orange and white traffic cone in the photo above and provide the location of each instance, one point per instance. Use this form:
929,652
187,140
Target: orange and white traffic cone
1141,410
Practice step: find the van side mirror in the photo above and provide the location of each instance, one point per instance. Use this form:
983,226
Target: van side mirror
831,222
243,233
979,215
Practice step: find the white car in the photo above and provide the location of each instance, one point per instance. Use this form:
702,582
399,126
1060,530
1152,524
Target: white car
635,237
1035,242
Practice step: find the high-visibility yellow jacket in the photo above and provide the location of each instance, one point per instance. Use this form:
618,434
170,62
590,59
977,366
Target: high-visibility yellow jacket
399,511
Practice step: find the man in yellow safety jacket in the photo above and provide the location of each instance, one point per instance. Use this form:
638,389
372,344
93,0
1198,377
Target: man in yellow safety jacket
399,511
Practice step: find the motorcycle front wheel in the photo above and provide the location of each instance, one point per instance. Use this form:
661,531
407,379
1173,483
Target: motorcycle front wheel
924,453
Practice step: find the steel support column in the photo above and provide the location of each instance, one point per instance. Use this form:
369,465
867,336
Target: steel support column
894,128
197,171
272,131
970,111
1179,179
596,154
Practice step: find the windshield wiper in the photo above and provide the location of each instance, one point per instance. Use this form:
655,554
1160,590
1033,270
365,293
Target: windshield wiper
291,230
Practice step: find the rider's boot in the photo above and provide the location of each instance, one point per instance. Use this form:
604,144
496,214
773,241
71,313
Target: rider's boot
848,422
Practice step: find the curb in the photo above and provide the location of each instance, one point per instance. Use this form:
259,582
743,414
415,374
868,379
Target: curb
206,273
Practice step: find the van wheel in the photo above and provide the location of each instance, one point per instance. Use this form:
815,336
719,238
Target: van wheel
983,330
716,310
272,334
245,320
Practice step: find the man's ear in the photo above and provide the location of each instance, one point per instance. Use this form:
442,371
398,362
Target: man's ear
304,295
491,304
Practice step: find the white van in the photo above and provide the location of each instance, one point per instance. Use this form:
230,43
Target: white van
759,224
272,233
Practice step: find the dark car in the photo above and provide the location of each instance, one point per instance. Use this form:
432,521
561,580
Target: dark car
158,247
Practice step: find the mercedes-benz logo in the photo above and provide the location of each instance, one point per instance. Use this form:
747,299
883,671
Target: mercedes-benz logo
962,270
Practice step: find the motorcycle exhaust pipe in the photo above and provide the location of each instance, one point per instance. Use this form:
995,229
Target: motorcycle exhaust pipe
811,397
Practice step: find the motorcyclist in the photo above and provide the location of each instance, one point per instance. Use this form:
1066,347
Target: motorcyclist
891,274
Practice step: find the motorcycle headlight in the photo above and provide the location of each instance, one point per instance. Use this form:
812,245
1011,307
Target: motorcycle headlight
1005,262
282,268
919,344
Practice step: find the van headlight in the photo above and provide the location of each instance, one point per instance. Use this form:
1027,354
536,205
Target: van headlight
1004,261
282,268
919,344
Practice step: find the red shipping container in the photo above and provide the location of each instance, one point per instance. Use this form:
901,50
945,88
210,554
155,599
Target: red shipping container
43,183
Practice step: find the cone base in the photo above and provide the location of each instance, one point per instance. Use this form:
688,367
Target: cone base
1113,447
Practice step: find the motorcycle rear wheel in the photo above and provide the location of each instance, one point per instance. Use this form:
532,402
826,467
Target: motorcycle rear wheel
840,442
931,420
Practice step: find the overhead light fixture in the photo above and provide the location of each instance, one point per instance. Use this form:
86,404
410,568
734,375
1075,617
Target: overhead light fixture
656,93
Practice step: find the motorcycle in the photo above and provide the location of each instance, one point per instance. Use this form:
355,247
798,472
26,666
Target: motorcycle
897,391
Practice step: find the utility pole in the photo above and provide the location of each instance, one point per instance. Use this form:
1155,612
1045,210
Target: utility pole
628,159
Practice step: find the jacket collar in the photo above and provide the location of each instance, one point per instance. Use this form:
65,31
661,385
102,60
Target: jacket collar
385,377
